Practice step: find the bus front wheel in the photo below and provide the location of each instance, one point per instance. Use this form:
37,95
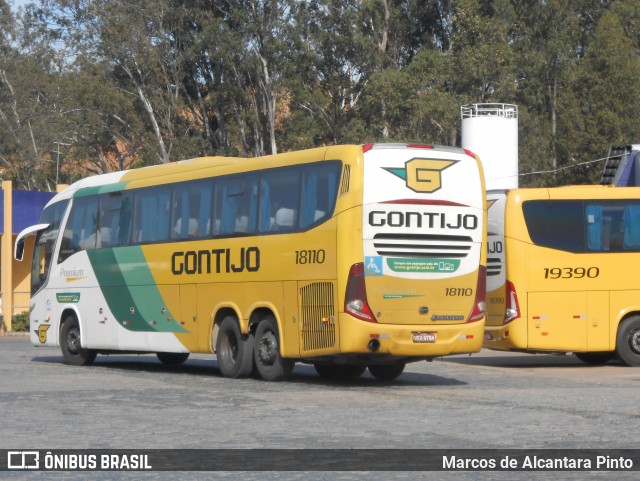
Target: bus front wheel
628,341
235,354
72,349
270,364
387,372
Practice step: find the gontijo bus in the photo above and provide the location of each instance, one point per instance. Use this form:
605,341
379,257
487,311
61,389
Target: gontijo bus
344,257
562,272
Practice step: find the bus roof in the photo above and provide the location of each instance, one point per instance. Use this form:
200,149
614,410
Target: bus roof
202,167
574,192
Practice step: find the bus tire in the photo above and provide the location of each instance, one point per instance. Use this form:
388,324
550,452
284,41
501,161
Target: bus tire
628,341
72,350
595,358
235,354
270,364
387,372
172,358
337,371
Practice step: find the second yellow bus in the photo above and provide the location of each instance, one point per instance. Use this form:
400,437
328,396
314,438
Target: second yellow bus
562,272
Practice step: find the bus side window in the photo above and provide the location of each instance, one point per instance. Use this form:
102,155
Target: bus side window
613,226
109,221
555,224
82,227
124,221
632,226
191,216
152,215
280,200
319,186
598,228
236,209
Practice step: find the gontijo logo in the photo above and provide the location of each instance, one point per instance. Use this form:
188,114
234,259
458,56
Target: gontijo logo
42,332
422,175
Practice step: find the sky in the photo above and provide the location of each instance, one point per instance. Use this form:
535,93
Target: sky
15,4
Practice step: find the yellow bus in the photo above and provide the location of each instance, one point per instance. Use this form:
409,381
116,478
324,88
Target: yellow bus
562,272
345,257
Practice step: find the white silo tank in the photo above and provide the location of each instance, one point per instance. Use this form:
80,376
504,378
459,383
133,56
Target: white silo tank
491,132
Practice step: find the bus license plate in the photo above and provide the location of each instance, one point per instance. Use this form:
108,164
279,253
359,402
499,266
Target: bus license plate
424,336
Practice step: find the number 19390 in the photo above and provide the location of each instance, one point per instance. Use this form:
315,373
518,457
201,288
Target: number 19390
571,272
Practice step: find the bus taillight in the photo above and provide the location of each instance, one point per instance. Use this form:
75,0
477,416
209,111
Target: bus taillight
512,309
355,300
480,303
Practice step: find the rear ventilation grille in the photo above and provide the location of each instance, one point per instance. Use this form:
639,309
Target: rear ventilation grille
494,266
346,176
317,316
422,245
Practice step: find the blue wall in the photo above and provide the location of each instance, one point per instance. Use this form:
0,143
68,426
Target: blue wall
27,207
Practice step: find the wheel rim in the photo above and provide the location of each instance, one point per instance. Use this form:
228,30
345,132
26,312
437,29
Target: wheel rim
73,341
268,348
229,348
634,341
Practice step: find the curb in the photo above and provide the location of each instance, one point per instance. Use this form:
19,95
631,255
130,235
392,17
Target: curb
15,334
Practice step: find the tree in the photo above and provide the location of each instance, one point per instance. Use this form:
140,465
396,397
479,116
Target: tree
605,97
32,107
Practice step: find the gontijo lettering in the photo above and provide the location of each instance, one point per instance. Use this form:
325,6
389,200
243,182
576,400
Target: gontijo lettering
216,260
379,218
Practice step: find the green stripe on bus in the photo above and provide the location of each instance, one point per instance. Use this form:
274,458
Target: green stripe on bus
130,290
101,189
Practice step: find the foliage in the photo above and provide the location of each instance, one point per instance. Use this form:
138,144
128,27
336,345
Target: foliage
21,322
92,86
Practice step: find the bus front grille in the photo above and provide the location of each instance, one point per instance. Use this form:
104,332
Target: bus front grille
422,245
317,316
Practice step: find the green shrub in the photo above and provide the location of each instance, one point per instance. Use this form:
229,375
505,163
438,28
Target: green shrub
21,322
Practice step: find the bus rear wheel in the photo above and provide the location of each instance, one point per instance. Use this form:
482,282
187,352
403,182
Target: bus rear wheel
337,371
628,341
172,358
72,349
595,357
270,364
387,372
234,353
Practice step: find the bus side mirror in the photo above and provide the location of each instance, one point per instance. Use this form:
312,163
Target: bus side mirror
18,253
18,250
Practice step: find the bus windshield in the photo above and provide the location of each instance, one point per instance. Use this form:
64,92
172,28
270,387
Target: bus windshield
45,244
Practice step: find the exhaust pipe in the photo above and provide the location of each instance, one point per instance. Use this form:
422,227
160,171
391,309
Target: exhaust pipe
373,345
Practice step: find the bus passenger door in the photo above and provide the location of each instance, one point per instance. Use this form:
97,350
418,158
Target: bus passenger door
189,316
557,320
101,326
598,321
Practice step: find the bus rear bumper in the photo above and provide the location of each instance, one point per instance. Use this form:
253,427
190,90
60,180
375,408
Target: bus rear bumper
501,338
409,340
